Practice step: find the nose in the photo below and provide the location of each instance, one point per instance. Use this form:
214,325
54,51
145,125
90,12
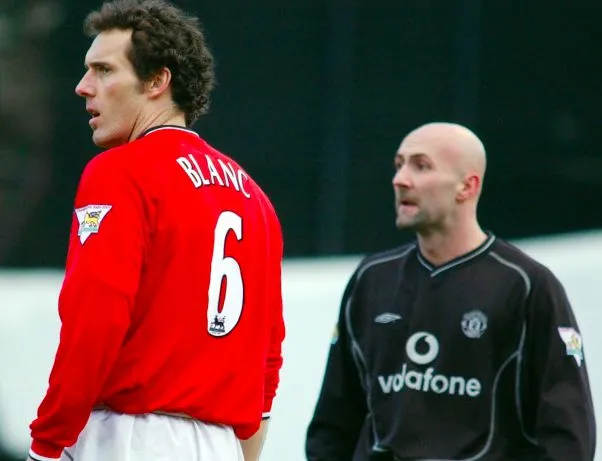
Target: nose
85,88
401,178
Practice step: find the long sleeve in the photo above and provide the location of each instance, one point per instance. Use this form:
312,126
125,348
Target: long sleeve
277,330
103,267
558,403
341,409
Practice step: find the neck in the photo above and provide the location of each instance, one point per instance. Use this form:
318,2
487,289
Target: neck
440,247
159,118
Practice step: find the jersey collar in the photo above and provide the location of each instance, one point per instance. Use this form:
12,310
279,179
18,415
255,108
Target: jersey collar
168,127
435,270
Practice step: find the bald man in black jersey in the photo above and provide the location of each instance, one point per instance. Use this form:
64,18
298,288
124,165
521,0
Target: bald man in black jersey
455,347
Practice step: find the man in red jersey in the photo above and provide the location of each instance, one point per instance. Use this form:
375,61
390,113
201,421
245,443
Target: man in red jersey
171,306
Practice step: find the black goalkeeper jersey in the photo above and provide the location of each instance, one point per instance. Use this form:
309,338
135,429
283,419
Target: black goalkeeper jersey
477,359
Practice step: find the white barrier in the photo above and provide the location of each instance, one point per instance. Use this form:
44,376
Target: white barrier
312,291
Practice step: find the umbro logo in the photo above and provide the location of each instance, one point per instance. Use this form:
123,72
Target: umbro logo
387,317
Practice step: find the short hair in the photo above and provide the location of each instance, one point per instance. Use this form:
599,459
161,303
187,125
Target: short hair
162,36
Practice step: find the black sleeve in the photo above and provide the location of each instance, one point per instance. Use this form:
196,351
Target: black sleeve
341,409
557,399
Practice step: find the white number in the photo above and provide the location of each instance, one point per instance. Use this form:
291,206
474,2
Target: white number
222,323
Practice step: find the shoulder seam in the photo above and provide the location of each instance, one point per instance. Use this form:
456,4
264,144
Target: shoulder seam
383,258
521,271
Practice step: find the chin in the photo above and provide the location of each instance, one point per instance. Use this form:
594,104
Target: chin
414,224
403,224
106,142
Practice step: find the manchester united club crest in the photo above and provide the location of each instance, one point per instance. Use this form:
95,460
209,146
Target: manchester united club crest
474,324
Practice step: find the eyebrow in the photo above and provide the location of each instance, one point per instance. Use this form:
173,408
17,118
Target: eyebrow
412,155
96,64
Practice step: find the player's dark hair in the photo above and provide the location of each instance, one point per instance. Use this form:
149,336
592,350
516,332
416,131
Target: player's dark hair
163,36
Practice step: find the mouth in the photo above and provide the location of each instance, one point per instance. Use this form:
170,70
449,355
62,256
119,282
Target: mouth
406,202
94,114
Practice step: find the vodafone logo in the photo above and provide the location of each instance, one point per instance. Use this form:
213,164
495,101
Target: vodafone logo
422,348
425,357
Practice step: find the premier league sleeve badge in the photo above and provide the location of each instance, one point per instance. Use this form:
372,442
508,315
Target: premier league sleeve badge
573,342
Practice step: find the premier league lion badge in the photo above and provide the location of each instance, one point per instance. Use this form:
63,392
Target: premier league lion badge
573,342
90,217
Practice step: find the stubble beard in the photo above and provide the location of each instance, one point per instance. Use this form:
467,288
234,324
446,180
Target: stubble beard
414,223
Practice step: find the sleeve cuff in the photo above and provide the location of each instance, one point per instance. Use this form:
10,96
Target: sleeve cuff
267,406
51,452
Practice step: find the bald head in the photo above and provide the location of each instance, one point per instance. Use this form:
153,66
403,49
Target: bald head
451,143
439,170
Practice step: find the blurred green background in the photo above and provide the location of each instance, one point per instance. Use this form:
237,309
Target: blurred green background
313,99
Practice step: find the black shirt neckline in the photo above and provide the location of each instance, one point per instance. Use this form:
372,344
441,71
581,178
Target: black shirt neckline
435,270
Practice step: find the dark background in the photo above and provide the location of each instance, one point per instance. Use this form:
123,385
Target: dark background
314,98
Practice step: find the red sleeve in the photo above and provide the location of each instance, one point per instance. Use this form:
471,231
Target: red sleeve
274,359
103,266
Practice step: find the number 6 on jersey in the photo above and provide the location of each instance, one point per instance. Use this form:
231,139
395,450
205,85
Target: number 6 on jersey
221,322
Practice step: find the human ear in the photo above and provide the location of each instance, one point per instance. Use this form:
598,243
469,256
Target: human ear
159,83
468,188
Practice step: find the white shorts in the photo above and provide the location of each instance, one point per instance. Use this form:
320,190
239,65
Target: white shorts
152,437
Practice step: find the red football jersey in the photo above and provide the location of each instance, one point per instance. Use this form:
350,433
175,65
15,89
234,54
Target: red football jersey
172,294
